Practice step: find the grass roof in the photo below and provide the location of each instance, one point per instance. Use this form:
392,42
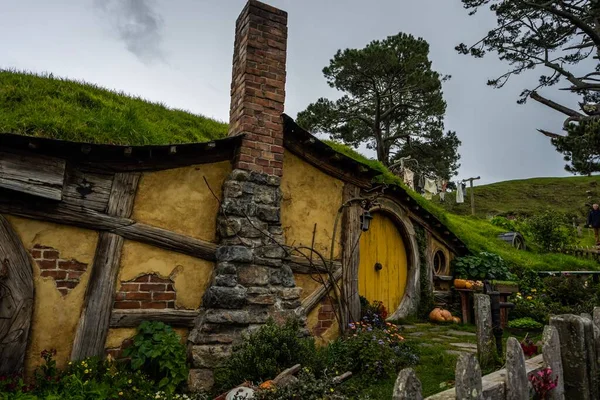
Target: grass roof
45,106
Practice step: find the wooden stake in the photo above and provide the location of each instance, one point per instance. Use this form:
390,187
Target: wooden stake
470,180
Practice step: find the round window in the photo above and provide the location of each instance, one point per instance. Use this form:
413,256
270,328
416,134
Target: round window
439,263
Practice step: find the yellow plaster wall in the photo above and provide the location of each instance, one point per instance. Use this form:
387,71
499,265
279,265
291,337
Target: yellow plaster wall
191,275
179,200
309,196
309,283
55,317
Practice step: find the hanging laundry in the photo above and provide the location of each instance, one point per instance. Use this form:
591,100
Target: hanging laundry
443,188
460,195
409,178
428,195
422,182
430,187
442,196
419,183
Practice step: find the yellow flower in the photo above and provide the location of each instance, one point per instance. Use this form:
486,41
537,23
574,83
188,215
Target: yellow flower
129,381
529,297
86,371
518,293
534,290
120,393
331,390
70,363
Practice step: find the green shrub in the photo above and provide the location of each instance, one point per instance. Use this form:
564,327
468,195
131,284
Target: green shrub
525,323
158,352
265,353
482,266
308,387
550,230
504,223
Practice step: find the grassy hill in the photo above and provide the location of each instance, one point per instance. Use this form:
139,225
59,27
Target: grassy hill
50,107
530,196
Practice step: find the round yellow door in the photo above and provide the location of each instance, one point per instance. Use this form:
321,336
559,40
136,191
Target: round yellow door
383,263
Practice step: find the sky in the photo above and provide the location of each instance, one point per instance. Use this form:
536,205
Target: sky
179,52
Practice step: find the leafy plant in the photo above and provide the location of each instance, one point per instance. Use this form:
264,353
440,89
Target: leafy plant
158,352
265,353
550,231
373,313
543,383
525,323
504,223
307,387
482,266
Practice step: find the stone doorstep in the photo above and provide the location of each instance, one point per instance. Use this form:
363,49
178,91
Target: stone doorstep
493,384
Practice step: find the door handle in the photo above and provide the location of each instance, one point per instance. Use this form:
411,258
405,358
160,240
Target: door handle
378,267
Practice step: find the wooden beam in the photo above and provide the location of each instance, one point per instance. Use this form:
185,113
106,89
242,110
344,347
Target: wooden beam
92,329
133,318
351,251
32,174
315,297
16,299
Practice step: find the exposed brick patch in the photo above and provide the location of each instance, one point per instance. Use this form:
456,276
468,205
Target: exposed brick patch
117,352
148,291
66,273
326,317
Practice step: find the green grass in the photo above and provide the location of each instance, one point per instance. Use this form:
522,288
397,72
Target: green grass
531,196
49,107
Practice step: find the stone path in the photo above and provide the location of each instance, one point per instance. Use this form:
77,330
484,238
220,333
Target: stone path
427,335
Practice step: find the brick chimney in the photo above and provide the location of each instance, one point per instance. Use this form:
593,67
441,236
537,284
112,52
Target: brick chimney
258,87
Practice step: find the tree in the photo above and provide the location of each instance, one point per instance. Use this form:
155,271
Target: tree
563,37
392,101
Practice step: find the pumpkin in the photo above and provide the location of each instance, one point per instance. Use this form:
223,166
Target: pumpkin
456,320
469,285
460,283
436,315
446,315
267,385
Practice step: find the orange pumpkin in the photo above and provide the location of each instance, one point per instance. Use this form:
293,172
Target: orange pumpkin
267,385
460,283
456,320
446,315
436,315
468,285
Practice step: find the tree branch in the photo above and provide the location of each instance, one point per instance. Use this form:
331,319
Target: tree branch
565,110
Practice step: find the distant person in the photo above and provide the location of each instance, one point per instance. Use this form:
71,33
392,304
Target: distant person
594,222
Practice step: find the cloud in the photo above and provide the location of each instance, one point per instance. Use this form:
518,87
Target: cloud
138,25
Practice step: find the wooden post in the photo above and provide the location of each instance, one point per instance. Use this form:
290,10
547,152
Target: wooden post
470,180
94,321
16,299
350,257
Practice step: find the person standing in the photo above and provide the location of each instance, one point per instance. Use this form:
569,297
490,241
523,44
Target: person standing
594,222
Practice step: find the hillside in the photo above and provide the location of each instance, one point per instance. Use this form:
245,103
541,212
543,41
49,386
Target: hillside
57,108
530,196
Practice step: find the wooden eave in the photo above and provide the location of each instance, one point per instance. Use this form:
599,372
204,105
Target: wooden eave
306,146
124,158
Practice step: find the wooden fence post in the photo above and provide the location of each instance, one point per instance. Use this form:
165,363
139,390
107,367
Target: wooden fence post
408,386
552,360
517,386
468,378
485,337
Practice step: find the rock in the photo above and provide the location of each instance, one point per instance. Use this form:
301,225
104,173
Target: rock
266,194
238,207
224,297
228,227
552,360
241,393
460,333
273,180
578,356
407,386
226,280
517,385
200,380
270,262
209,356
252,228
291,293
236,317
267,213
226,268
468,377
232,189
485,337
271,251
258,177
284,277
470,346
239,175
240,254
253,275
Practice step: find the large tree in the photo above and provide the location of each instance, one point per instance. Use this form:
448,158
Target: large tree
563,38
392,101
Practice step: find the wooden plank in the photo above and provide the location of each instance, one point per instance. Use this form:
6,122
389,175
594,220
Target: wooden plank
16,299
32,174
351,232
84,188
94,321
301,265
132,318
315,297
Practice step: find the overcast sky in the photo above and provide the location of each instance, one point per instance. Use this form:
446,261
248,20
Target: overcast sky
179,52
